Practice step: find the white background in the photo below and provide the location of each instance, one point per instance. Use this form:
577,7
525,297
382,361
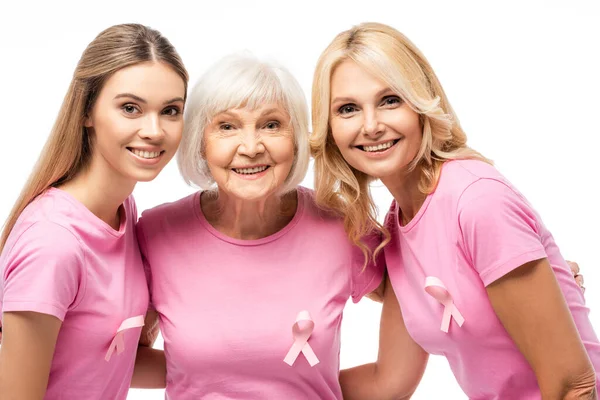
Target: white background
522,76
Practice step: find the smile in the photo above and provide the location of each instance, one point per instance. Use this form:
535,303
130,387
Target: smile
250,171
145,154
378,147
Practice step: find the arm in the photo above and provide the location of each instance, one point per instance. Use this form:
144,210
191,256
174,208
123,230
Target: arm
150,370
400,363
26,356
541,326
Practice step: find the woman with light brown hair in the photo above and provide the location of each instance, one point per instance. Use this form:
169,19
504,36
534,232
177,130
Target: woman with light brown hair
73,293
462,246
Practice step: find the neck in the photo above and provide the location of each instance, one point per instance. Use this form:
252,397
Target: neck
405,189
101,190
247,219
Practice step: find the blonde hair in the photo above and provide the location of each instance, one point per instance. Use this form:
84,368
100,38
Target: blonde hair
241,80
388,55
68,150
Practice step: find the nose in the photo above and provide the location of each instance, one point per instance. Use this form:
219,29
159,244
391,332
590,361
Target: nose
251,143
151,128
372,127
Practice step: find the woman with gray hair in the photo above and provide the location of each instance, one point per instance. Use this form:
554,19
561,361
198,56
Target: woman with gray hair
248,277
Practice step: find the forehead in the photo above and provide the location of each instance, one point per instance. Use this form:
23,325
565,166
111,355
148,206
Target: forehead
349,77
153,81
248,111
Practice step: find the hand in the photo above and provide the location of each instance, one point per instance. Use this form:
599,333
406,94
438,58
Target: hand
578,277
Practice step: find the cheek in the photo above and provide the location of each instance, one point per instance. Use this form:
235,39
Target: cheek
281,149
342,132
112,129
214,154
175,131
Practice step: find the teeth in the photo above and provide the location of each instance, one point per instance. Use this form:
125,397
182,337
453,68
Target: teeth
145,154
379,147
250,170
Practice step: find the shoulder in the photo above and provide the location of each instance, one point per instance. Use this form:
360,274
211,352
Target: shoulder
167,220
462,179
173,212
312,210
457,175
493,203
43,240
46,222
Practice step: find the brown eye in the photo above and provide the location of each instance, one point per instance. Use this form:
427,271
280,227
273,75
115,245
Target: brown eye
171,111
225,127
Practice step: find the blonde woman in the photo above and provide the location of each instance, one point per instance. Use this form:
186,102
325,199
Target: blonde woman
478,277
72,291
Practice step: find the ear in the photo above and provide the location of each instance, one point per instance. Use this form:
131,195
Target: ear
87,121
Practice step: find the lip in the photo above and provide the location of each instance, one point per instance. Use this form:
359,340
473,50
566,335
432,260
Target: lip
146,161
251,177
378,154
147,148
377,143
251,166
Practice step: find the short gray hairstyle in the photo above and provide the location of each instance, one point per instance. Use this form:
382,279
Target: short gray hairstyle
241,80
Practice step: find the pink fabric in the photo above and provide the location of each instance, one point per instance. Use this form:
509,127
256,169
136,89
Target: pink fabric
61,260
471,231
227,307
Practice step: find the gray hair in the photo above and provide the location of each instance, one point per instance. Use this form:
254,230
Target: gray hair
241,80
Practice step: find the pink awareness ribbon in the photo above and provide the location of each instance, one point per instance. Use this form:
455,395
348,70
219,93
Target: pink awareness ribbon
118,342
438,291
301,331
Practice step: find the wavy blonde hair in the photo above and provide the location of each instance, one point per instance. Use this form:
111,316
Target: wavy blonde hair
68,149
391,57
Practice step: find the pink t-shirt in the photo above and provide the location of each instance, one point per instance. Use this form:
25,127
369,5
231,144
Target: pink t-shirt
227,306
471,231
61,260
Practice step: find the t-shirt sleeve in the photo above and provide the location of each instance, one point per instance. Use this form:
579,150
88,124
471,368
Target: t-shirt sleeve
498,228
43,271
366,279
141,238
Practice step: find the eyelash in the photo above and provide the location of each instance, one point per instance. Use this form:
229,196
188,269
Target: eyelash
176,109
398,99
166,111
129,105
273,122
383,101
223,125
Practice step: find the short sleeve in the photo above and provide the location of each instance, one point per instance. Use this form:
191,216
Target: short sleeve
43,271
141,238
366,279
499,229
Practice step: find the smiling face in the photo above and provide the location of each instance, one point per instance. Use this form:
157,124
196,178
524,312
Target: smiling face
136,121
376,131
250,153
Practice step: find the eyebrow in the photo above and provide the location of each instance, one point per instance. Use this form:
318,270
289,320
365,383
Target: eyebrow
139,99
378,94
272,111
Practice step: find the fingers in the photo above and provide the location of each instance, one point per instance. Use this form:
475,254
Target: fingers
574,267
579,280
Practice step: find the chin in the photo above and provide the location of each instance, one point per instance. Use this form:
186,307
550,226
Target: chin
144,177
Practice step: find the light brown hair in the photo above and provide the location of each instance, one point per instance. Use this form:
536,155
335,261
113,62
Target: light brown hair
68,149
